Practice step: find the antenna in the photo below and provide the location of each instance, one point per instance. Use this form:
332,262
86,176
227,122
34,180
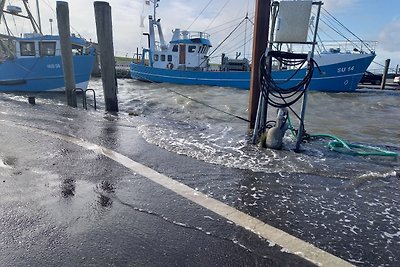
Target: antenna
51,26
155,3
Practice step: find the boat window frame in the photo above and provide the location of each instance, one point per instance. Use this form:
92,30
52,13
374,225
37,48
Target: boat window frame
162,57
192,48
156,56
77,50
50,52
175,48
27,52
169,58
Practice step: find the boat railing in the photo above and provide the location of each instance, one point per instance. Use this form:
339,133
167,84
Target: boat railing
342,47
349,46
199,35
194,34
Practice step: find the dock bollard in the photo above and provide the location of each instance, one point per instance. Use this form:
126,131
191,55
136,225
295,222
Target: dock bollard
31,100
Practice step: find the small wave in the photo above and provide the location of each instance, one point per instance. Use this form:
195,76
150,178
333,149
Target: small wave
228,147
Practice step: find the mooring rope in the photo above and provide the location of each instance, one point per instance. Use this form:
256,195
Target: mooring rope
204,104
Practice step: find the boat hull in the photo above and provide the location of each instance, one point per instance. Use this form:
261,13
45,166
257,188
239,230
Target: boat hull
39,74
336,73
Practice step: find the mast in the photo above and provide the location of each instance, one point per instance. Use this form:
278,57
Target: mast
2,3
155,2
38,16
245,35
35,26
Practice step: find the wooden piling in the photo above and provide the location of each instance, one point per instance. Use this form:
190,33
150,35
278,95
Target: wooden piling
107,61
385,72
66,51
260,40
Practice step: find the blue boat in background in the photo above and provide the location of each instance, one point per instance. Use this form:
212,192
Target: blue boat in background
341,76
185,60
33,63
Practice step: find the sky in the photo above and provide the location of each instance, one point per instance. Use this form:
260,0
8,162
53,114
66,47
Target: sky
371,20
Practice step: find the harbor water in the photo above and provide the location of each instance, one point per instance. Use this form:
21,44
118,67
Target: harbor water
176,123
344,204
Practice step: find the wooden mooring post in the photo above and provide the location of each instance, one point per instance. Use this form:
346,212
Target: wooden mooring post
66,51
103,18
260,40
385,72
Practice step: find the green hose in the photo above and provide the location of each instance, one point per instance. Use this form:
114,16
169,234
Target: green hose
341,146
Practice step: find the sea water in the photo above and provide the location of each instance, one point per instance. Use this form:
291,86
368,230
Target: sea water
187,127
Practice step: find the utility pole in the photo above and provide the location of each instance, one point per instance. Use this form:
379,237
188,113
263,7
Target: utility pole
260,41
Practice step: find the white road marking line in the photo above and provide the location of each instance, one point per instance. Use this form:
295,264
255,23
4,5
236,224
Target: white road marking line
291,243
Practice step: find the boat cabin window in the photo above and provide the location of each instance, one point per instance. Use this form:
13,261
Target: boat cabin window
191,48
47,49
156,57
202,49
169,58
77,49
7,48
162,57
175,48
27,48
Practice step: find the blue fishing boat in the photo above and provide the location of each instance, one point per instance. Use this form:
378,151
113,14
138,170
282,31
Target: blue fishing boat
33,62
185,60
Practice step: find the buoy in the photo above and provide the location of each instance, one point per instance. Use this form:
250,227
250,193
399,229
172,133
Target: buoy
274,136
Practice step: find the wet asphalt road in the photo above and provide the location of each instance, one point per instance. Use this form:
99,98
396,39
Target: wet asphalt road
62,205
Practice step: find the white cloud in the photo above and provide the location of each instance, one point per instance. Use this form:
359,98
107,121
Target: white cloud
389,37
389,42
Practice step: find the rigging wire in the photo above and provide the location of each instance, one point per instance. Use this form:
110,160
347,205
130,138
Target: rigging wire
47,3
223,41
358,38
234,49
237,35
199,14
219,12
226,28
233,22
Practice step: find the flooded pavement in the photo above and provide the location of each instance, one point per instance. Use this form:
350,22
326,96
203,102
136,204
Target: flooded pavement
63,205
66,204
